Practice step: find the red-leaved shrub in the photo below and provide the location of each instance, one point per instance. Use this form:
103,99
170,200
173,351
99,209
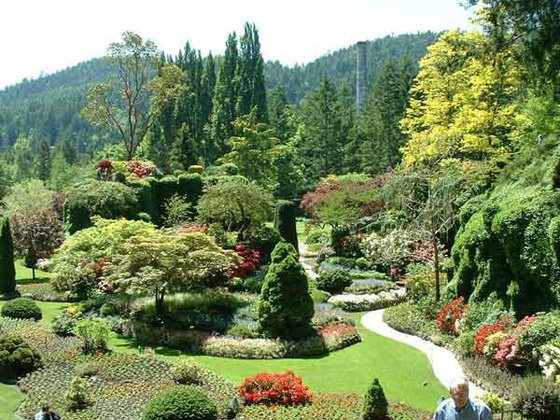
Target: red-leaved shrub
251,259
275,389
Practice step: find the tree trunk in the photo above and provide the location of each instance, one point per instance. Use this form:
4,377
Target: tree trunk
436,267
159,301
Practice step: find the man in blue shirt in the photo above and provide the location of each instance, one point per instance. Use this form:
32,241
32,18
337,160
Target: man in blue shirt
460,406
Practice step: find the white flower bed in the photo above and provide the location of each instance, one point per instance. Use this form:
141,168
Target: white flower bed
368,302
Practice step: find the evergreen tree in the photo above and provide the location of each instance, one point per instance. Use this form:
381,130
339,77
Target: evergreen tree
252,92
380,134
285,222
279,114
285,307
7,267
326,133
375,403
224,101
44,161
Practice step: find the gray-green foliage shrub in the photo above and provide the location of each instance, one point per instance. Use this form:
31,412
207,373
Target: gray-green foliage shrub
17,357
7,267
375,402
285,307
183,402
110,200
22,308
334,281
537,398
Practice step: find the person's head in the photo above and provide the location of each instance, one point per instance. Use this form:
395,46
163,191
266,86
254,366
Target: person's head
459,391
46,408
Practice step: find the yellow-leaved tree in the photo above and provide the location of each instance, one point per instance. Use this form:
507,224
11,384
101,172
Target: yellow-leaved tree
463,102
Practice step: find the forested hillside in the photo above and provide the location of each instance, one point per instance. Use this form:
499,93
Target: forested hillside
49,107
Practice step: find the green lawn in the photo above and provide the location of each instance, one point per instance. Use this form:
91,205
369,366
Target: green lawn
24,275
403,371
10,399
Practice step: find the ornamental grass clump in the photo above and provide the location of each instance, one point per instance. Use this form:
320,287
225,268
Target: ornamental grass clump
275,389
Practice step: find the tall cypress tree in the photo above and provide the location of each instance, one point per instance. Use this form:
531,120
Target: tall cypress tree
7,267
252,91
224,101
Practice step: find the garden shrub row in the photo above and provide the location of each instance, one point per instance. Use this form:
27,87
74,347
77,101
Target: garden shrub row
113,200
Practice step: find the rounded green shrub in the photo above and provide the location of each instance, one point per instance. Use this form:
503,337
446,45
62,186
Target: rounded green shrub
17,357
22,308
184,402
334,281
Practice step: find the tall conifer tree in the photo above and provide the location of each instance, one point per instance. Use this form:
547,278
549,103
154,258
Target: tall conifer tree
224,101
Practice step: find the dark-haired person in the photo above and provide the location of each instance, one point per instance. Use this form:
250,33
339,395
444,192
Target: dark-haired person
46,414
460,406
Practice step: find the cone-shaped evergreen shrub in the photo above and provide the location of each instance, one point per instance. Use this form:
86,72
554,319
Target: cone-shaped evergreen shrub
285,222
375,402
7,267
285,306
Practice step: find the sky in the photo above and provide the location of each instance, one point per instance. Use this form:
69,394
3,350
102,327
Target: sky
40,37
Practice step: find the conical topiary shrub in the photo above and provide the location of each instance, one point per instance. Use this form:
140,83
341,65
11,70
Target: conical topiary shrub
285,222
375,402
7,267
285,307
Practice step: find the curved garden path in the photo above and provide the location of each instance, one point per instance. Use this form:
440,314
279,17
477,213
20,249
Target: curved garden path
444,363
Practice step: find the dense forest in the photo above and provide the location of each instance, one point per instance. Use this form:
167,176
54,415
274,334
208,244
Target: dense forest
42,114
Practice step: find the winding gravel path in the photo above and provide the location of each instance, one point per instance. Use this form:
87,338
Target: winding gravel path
444,363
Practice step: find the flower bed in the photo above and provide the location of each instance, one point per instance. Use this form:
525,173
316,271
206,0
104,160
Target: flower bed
368,302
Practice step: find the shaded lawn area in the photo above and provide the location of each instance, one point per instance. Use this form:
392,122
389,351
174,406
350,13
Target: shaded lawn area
24,275
404,372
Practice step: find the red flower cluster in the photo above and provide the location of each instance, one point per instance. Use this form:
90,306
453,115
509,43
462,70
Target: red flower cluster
507,355
251,259
140,169
450,314
275,389
505,324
